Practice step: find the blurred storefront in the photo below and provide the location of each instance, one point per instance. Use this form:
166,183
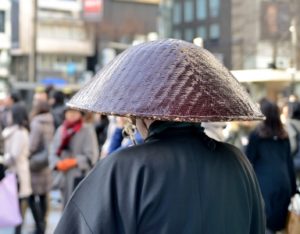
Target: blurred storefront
58,37
243,34
124,23
271,83
5,43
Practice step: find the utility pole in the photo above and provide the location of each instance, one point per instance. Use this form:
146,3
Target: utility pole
294,46
32,54
294,42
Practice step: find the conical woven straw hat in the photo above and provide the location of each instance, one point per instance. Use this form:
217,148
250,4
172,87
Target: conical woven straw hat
167,80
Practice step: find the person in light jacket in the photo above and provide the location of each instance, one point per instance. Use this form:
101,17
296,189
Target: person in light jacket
41,135
73,152
16,152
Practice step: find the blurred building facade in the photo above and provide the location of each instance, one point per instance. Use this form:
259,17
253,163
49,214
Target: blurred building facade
63,41
5,35
234,30
123,24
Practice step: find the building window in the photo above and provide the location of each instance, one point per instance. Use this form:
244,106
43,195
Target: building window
214,33
188,11
189,34
214,8
2,21
177,34
176,13
201,9
201,32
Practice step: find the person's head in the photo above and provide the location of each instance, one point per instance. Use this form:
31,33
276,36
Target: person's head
73,115
40,107
57,98
19,116
272,125
12,98
294,110
40,97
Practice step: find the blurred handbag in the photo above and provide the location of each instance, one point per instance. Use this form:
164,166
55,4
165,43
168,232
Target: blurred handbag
10,215
39,160
293,225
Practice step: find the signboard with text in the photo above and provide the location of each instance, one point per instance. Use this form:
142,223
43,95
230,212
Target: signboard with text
92,10
140,1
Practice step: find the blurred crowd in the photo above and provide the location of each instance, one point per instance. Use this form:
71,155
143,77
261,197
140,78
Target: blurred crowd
50,146
72,142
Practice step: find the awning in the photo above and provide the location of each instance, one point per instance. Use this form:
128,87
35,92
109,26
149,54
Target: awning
55,81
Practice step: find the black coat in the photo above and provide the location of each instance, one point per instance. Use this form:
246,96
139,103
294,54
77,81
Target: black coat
179,181
273,166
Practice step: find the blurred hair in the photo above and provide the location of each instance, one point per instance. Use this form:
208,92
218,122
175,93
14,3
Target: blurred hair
89,117
49,90
40,107
272,125
15,96
72,109
20,116
59,97
294,110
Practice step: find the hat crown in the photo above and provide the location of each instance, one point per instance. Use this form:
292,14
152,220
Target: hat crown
167,80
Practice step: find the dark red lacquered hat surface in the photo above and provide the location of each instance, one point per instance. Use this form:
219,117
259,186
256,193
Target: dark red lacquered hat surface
167,80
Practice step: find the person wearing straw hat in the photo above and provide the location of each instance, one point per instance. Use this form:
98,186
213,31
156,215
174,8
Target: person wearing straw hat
179,180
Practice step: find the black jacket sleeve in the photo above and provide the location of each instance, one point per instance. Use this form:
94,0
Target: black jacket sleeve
72,221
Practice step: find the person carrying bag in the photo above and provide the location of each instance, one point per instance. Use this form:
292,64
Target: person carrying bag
10,215
41,134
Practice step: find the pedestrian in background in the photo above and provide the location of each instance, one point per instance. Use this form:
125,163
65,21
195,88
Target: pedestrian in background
269,152
101,127
57,101
74,151
14,98
119,139
41,135
16,152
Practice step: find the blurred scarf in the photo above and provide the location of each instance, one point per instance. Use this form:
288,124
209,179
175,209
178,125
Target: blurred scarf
69,129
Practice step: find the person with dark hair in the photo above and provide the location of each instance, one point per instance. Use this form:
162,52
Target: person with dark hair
269,152
16,152
179,181
13,99
41,134
57,101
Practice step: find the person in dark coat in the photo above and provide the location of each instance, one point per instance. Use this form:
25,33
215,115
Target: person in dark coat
179,180
101,127
269,152
58,107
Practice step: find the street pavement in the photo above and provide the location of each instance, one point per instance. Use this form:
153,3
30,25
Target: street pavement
52,220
